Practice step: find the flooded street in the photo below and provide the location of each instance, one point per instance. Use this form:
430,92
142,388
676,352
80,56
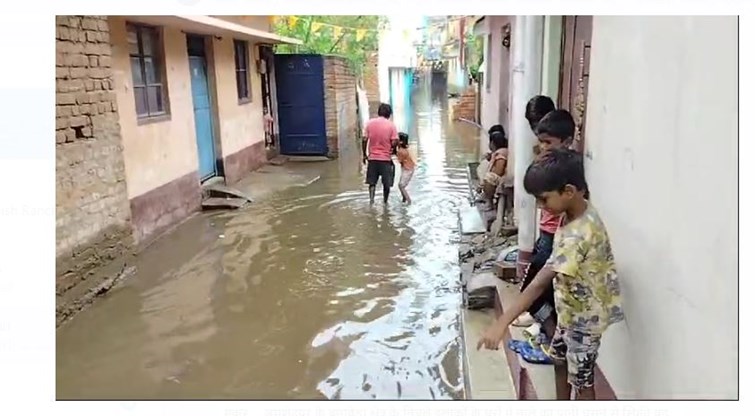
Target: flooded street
310,293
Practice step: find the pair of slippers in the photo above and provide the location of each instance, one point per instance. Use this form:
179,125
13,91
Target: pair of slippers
529,352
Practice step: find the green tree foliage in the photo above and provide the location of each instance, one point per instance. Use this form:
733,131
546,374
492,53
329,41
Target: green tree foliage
326,41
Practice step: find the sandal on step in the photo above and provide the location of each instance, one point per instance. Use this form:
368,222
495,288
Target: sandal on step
517,345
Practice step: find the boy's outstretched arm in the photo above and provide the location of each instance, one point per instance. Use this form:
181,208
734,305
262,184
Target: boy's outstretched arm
495,333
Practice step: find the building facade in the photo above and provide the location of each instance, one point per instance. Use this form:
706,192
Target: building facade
148,108
496,72
191,108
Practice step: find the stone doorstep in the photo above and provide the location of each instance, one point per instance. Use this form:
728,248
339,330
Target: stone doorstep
219,190
209,204
535,381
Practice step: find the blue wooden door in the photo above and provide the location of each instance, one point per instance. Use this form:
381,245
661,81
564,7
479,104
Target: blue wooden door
200,94
301,104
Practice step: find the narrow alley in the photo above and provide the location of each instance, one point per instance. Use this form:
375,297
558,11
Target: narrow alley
312,294
215,238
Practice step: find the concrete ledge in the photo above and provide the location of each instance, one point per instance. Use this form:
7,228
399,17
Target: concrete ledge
486,376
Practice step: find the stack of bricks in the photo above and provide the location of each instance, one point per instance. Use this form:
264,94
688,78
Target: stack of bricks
83,78
92,208
466,107
371,83
341,118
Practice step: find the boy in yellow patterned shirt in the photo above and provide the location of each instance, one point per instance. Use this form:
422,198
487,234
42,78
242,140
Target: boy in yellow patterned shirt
582,269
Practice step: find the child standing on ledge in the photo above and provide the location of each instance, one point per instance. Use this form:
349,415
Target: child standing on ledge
581,269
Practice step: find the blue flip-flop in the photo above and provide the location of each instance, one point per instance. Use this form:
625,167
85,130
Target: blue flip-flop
516,345
534,355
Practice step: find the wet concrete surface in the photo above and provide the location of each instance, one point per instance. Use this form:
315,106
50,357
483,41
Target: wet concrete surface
310,293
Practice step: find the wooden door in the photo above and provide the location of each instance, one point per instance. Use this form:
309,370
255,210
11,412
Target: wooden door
575,71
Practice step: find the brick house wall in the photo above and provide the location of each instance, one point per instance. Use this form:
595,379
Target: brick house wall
93,220
341,118
371,83
466,106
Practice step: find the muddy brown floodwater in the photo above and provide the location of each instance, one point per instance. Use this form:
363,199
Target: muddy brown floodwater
310,293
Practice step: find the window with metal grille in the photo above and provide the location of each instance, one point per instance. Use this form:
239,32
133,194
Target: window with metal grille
241,48
147,71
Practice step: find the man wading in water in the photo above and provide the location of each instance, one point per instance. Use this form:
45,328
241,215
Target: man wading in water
380,137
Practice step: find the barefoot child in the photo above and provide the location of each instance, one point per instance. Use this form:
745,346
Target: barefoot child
407,165
581,268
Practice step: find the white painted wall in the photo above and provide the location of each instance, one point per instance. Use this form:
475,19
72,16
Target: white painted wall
662,167
457,77
490,89
496,60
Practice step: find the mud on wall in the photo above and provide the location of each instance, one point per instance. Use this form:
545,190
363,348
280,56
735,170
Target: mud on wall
93,220
340,105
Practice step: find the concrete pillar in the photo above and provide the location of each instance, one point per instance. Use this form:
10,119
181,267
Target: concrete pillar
527,44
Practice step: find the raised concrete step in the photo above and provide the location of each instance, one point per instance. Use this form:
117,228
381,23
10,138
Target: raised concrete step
215,180
541,376
217,195
222,191
531,381
487,375
223,203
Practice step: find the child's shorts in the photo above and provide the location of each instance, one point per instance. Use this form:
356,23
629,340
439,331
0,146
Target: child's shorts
580,351
406,176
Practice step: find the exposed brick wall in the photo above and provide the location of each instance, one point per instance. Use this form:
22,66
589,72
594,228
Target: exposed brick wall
372,84
465,107
340,105
92,209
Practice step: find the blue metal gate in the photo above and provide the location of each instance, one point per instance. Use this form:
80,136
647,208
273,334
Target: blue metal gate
301,104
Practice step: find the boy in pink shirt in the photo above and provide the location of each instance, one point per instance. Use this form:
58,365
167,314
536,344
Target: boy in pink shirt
380,137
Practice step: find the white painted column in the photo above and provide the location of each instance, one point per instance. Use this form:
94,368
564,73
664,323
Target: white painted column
526,71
